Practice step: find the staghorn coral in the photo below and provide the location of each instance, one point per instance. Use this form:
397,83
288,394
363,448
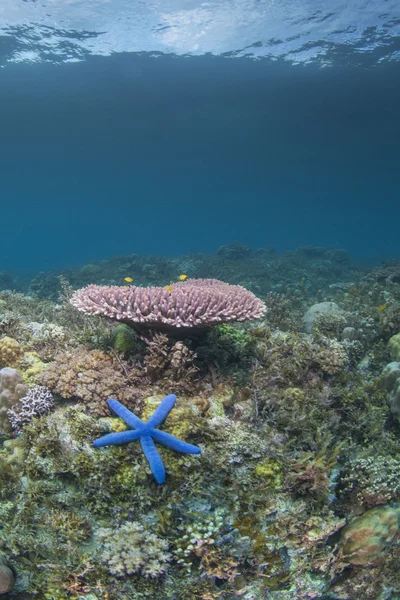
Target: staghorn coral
11,353
190,305
37,402
132,549
11,390
92,377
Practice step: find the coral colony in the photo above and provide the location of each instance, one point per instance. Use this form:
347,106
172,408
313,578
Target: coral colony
191,304
147,434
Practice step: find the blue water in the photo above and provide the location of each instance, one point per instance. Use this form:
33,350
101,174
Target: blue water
122,132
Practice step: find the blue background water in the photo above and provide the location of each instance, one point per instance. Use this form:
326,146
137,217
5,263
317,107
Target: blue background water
133,153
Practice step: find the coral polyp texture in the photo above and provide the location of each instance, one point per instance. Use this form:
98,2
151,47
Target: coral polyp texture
191,304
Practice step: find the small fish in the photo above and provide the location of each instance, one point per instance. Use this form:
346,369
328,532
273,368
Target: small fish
128,279
383,307
169,288
182,277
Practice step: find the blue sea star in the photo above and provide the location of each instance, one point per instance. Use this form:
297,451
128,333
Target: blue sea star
146,433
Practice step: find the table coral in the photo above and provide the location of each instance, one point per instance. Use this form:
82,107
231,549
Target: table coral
187,305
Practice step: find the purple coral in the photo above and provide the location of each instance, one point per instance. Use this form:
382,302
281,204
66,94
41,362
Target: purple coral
37,402
195,303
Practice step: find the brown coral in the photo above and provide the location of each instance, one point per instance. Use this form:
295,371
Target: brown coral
174,362
92,377
331,358
11,353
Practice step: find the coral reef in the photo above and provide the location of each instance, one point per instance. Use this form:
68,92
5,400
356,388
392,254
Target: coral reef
296,492
316,311
167,361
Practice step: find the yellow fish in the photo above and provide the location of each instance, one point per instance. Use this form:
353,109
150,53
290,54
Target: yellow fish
182,277
128,279
383,307
169,288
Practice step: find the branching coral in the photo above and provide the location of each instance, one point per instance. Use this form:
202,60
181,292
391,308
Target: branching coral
132,549
163,360
37,402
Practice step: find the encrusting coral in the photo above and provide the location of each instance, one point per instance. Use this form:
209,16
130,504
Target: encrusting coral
364,540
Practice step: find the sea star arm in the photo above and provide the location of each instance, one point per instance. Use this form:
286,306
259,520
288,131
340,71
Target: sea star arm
161,411
173,442
125,414
123,437
155,462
